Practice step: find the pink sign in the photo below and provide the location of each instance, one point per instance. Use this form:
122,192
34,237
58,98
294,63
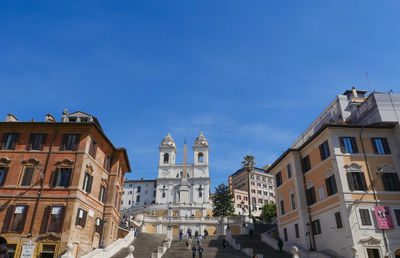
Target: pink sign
383,217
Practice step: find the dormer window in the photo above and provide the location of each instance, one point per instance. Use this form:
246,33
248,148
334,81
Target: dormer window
166,158
200,157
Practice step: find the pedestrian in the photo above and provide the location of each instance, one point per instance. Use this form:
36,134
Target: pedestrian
201,250
3,248
189,233
180,235
196,234
199,239
280,244
190,243
205,233
251,233
194,251
223,243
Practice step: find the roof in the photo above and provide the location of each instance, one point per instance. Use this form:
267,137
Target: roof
138,181
72,124
388,125
240,170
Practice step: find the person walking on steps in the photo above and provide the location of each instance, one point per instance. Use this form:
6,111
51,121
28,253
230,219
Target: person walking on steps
180,235
205,233
189,233
201,250
196,234
194,251
199,239
280,244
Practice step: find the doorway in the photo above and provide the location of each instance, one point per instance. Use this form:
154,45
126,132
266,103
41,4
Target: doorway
373,253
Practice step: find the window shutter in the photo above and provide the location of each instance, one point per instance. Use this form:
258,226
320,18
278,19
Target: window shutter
64,140
386,146
363,183
7,219
321,152
342,147
90,181
374,145
69,177
77,217
3,140
20,227
76,143
44,137
354,144
45,220
4,176
105,195
29,145
55,176
350,181
84,219
62,217
15,141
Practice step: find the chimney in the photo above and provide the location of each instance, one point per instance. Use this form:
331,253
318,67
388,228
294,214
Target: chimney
11,118
49,118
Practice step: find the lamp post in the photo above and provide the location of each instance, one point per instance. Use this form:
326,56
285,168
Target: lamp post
308,233
243,211
228,227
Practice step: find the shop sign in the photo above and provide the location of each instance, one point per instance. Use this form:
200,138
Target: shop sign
28,250
383,217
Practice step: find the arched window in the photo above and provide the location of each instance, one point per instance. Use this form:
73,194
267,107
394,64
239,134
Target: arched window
200,157
166,158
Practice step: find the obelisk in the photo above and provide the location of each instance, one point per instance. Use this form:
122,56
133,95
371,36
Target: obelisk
184,187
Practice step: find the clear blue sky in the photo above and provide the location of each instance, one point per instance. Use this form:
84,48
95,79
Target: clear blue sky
250,74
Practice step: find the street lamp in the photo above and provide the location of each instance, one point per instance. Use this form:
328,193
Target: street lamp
243,211
169,213
228,227
308,233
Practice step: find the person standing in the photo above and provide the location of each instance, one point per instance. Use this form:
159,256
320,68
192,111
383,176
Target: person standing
189,233
199,239
205,233
180,235
201,250
196,234
223,243
280,244
194,251
190,243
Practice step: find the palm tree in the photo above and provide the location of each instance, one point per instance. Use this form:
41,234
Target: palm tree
248,164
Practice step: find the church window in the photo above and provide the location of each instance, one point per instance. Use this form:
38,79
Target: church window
200,194
166,158
200,157
163,194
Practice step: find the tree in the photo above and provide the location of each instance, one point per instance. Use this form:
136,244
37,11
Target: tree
223,204
268,212
248,162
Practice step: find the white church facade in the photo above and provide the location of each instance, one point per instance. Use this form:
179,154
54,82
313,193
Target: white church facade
183,189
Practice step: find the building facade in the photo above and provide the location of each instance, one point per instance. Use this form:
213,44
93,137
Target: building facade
261,187
138,193
60,183
338,189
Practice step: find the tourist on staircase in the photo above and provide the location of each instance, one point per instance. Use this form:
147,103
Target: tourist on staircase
201,250
194,251
205,233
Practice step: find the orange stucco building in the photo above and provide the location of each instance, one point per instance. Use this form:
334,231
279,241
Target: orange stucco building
342,194
60,183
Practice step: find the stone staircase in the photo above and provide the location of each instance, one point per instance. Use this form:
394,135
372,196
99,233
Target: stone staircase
259,247
145,244
212,249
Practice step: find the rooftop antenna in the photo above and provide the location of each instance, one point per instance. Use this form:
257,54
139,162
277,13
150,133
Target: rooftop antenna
366,76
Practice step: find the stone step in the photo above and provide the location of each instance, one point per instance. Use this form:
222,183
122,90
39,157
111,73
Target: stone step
259,247
145,244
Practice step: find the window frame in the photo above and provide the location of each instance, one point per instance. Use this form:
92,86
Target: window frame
93,148
81,221
357,177
348,144
5,141
59,176
24,174
391,184
338,220
68,144
316,227
306,163
33,141
282,206
289,171
87,182
296,230
311,197
3,177
361,216
278,179
382,148
331,187
324,150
